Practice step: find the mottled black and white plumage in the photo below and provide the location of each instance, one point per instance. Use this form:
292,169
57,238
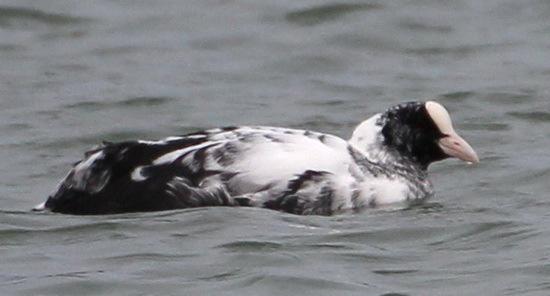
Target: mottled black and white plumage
290,170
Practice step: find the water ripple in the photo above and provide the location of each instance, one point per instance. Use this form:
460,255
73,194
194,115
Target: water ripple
13,16
127,103
251,246
532,116
283,282
457,95
328,12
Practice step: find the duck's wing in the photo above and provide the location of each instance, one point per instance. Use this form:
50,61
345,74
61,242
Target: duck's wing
231,166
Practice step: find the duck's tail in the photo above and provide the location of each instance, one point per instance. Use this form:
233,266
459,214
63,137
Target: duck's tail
122,177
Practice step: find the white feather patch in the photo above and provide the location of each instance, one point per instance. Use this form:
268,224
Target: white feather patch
383,191
81,170
366,134
170,157
40,207
137,174
296,155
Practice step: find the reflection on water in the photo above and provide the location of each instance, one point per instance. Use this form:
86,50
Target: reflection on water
74,74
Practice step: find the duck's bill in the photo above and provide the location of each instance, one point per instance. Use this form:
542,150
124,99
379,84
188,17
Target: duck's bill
454,146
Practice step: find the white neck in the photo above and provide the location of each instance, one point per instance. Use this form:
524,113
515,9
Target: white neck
367,137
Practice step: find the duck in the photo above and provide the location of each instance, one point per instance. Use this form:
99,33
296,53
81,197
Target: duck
303,172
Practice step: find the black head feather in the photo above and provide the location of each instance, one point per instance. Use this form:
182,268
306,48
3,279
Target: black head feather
409,129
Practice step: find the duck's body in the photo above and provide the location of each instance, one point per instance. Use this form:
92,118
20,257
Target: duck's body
296,171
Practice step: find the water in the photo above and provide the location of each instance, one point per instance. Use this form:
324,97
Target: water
73,73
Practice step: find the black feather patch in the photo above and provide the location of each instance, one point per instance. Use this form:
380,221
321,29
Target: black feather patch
104,184
185,195
409,130
294,200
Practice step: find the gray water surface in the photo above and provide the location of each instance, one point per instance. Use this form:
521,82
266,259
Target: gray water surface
74,73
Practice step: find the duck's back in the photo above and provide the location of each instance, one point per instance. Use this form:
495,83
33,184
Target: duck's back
292,170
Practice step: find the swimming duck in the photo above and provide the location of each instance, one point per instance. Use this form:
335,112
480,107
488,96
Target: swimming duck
291,170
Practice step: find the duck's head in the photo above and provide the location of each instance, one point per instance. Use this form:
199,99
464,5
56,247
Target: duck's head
420,131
